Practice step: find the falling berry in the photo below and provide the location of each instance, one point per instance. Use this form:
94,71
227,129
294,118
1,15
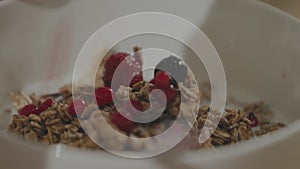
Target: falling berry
79,104
29,109
162,80
253,119
46,104
122,123
104,96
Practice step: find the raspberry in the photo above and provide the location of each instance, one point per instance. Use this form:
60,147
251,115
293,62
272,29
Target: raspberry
46,104
128,109
114,60
137,105
253,119
122,123
29,109
152,81
104,96
80,106
136,79
162,80
110,66
170,94
132,68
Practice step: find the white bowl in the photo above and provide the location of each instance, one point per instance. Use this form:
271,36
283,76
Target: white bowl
258,45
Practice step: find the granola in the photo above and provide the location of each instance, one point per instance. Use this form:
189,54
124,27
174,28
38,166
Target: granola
57,125
52,118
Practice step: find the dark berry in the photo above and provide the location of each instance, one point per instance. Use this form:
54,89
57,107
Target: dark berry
162,80
29,109
175,66
104,96
253,119
122,123
46,104
79,104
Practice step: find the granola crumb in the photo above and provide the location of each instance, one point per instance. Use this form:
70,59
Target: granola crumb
8,110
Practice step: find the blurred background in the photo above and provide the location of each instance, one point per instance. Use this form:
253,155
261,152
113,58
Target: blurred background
290,6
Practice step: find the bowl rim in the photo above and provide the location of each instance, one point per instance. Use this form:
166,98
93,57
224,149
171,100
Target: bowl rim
203,155
264,141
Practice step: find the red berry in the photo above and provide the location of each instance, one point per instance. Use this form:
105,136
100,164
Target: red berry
152,81
253,119
137,105
104,96
162,80
156,97
130,67
132,107
136,79
170,94
29,109
114,60
122,123
46,104
110,66
79,104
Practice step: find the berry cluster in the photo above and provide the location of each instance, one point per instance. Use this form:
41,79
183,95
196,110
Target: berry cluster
33,109
163,80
